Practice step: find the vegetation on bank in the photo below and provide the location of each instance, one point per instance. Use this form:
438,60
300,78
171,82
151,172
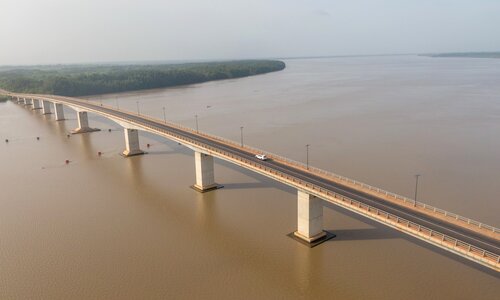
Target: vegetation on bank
3,98
467,54
81,80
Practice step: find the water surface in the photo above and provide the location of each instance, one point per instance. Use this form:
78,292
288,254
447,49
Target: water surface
113,228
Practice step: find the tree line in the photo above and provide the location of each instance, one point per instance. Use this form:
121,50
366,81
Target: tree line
81,80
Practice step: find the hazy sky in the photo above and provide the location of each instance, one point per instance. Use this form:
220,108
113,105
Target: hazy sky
69,31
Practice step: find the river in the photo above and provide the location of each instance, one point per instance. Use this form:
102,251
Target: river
106,227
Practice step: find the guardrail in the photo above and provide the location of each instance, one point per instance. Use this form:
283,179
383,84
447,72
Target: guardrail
311,169
457,246
318,171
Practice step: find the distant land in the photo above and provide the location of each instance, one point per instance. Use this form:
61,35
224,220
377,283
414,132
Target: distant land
466,54
83,80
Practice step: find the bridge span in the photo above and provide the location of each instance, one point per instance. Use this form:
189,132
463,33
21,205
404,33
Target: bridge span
468,238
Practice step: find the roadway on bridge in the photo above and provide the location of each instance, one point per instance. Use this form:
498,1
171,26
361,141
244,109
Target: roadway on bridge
452,230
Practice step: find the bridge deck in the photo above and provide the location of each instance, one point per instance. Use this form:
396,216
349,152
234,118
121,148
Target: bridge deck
305,178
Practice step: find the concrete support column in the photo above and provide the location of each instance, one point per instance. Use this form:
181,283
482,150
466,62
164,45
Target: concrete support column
26,101
204,165
309,217
83,123
59,110
132,146
46,107
36,104
83,119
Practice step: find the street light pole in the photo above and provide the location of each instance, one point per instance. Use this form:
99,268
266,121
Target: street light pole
164,115
241,129
416,189
307,156
117,105
196,117
138,112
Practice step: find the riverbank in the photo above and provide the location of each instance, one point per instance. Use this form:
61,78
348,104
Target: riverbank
83,80
466,55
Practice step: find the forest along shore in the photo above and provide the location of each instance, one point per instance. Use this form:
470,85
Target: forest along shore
466,55
82,80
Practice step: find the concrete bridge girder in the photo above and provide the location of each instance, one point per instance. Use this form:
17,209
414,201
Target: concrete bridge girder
195,149
75,108
125,124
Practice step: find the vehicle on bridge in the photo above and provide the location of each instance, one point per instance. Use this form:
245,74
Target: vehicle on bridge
262,156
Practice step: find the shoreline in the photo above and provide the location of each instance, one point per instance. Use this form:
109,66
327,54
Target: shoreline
98,80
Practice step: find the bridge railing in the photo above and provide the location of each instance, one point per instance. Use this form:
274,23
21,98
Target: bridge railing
311,169
491,259
318,171
456,245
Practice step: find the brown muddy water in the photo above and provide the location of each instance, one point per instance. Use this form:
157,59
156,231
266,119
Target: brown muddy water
110,227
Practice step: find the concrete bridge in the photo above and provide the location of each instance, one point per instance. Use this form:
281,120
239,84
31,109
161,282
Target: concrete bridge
471,239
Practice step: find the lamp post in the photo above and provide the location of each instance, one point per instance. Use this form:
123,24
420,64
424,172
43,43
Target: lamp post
416,189
196,117
138,112
241,130
307,156
164,115
117,105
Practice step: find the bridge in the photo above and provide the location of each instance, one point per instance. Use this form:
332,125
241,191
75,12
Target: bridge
462,236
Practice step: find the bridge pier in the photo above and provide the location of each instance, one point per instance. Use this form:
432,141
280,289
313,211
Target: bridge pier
46,107
132,146
83,123
36,104
26,101
309,218
59,111
205,176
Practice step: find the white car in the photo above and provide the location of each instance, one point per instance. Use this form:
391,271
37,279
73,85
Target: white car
261,156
